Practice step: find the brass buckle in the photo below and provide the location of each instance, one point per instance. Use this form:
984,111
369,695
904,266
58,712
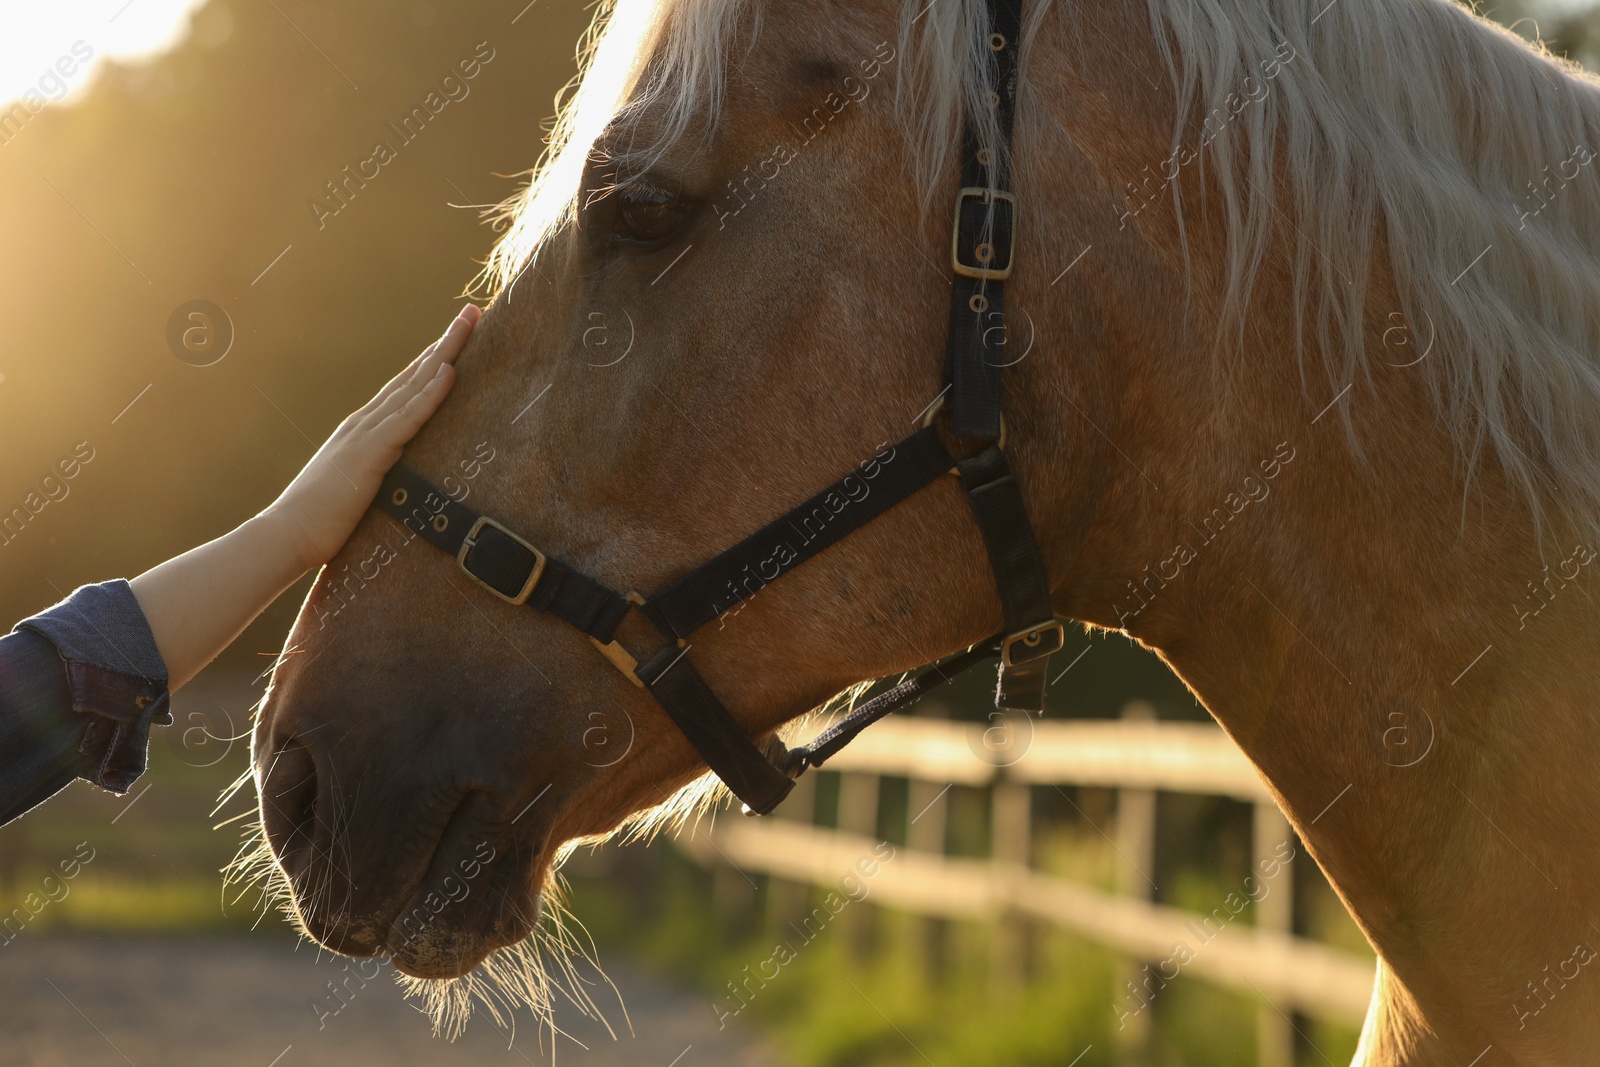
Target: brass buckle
620,658
1034,640
982,196
472,539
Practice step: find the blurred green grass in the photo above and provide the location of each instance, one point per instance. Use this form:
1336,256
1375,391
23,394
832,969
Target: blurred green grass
901,1002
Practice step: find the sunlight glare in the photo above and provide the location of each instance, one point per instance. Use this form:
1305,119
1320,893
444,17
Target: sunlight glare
41,43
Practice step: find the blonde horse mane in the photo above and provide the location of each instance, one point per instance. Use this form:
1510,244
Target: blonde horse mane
1421,124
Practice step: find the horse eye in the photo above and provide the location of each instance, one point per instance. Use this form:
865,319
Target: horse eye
648,215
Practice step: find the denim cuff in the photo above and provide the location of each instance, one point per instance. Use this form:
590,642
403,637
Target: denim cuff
102,625
115,673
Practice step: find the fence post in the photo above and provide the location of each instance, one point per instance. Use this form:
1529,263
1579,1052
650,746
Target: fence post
1274,911
787,900
1136,848
925,832
1011,839
858,814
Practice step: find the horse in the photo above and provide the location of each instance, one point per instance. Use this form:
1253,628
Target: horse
1303,396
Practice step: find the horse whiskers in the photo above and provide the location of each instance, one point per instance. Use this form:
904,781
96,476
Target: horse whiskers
564,929
546,966
245,776
533,974
338,838
255,867
278,660
685,807
529,974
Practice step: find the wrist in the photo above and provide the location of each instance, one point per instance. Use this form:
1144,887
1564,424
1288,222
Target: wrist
283,540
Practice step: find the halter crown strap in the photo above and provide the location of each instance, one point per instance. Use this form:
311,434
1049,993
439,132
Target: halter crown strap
982,244
981,258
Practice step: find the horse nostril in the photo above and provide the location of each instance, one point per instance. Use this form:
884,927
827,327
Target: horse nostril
289,805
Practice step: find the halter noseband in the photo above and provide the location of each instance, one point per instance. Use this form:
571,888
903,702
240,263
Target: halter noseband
982,242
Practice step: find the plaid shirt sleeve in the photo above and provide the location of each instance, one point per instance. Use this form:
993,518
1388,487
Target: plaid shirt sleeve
80,685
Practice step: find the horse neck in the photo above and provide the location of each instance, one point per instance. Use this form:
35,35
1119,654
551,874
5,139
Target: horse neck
1348,600
1407,659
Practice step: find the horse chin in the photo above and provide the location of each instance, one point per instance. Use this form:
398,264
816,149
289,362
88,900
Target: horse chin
442,961
438,936
443,952
337,934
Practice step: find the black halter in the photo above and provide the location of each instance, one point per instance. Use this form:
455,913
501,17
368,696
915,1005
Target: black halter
981,260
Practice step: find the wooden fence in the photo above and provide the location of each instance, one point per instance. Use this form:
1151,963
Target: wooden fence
1136,756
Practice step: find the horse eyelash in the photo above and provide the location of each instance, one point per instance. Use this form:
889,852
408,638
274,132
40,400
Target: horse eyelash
642,187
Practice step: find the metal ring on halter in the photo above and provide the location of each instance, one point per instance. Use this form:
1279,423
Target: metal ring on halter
939,405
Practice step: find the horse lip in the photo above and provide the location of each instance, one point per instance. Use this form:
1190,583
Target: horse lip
443,952
347,938
444,966
453,935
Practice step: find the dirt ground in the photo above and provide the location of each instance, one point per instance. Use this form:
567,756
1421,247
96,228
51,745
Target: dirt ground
84,1001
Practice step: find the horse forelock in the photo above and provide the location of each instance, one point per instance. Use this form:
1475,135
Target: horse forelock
670,58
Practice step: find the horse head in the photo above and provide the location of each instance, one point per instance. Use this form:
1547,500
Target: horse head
722,292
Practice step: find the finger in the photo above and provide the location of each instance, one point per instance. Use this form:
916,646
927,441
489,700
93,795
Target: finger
444,350
454,338
448,347
405,386
451,342
400,425
395,384
412,377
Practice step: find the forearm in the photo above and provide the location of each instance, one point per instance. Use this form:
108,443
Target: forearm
199,602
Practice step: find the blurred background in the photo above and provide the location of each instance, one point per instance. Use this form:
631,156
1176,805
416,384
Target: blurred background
162,160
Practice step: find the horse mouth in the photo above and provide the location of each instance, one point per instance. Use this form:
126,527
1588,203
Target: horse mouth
443,951
426,941
446,927
477,896
437,902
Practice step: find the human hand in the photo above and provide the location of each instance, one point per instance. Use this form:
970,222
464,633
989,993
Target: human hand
321,507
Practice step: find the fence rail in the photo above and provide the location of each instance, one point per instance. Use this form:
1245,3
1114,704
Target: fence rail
1175,757
1136,756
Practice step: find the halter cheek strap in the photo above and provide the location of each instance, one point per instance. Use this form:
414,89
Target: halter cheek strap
981,259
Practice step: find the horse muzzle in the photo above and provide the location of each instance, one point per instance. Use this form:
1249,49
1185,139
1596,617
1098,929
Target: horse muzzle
436,875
